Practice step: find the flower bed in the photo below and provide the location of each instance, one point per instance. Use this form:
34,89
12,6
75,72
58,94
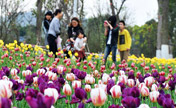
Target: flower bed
31,77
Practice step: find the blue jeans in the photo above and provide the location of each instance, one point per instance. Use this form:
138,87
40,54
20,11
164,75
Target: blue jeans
107,51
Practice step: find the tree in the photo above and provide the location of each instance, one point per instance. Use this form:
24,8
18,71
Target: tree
39,20
9,11
115,9
163,23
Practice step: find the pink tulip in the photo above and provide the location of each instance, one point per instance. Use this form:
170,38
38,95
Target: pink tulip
154,87
76,84
105,78
85,61
89,79
132,65
113,66
123,79
116,91
149,81
52,92
143,106
130,83
34,63
78,64
98,96
13,72
144,91
141,85
85,67
60,69
27,72
70,76
153,96
5,88
67,90
87,88
40,71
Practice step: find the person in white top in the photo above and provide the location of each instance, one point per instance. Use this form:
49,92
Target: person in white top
79,46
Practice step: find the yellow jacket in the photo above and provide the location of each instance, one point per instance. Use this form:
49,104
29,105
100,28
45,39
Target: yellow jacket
124,40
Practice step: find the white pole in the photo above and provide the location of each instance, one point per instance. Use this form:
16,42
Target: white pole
75,5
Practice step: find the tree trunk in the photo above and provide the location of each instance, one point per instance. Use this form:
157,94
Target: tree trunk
163,21
39,21
112,7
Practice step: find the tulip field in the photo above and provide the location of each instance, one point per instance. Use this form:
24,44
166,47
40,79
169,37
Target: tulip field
31,77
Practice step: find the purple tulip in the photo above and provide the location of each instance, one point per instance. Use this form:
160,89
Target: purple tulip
5,103
131,75
1,74
16,85
18,70
155,74
141,78
61,80
80,93
40,102
122,86
75,99
31,92
110,84
130,102
54,70
6,70
168,103
19,96
29,80
146,75
81,105
172,85
111,75
43,79
131,92
80,74
115,106
29,68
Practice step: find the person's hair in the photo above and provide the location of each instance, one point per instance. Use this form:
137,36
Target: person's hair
122,21
75,19
113,20
57,11
79,32
48,13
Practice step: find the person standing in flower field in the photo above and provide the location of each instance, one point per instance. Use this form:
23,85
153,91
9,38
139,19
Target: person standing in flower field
54,31
111,32
79,45
46,24
124,41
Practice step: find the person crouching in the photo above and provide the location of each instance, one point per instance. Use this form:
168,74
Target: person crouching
80,46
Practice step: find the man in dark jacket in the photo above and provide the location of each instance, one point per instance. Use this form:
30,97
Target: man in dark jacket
111,32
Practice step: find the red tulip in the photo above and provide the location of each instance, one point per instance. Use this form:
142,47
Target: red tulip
85,61
78,64
34,63
42,58
10,57
162,73
132,65
170,70
85,67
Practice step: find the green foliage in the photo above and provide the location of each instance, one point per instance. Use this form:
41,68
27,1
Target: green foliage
144,39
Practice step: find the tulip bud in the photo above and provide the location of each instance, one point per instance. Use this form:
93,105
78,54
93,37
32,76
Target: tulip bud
13,72
98,96
153,96
51,92
87,88
76,84
123,79
144,91
67,89
116,91
130,83
154,87
105,78
149,81
143,106
70,76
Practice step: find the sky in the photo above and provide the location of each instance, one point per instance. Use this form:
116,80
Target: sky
137,11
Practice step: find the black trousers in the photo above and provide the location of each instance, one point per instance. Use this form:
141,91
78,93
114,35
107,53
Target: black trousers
52,44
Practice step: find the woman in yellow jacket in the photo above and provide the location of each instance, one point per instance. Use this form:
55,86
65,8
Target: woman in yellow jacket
124,42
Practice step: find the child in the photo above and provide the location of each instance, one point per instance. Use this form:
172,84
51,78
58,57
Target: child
80,46
124,42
